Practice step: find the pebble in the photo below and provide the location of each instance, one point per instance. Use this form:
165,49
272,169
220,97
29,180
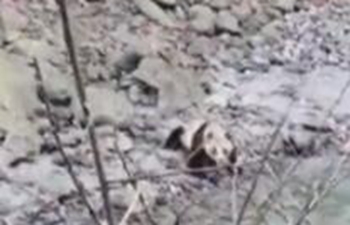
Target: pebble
167,2
202,19
219,4
154,12
3,134
226,21
56,96
284,5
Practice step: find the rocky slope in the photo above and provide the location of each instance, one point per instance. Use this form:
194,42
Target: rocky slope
150,64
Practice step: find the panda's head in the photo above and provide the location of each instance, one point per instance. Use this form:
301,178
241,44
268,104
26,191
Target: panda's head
212,140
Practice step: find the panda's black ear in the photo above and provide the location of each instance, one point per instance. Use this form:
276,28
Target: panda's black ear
174,139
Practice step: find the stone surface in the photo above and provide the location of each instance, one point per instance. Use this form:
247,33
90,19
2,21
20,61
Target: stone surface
285,5
167,2
219,4
227,22
154,12
176,87
103,101
202,19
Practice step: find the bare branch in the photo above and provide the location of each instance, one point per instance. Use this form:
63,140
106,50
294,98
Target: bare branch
131,208
133,182
73,58
79,186
262,165
101,175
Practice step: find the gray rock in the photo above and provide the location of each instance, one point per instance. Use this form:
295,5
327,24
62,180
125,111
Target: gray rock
154,12
255,22
3,134
65,116
57,96
242,11
124,142
13,198
226,21
142,93
177,88
167,2
20,150
103,101
284,5
219,4
202,19
128,62
202,46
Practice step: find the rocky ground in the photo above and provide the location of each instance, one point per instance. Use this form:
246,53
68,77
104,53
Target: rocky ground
150,65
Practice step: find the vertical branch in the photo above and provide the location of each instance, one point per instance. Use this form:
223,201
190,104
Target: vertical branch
2,27
82,99
101,175
79,186
234,194
72,55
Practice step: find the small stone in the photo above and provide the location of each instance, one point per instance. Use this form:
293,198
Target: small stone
242,11
57,97
3,134
284,5
219,4
166,2
124,142
142,93
65,116
128,62
103,101
202,19
225,21
154,12
202,46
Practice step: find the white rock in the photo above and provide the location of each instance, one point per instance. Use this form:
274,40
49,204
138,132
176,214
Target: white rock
202,18
226,21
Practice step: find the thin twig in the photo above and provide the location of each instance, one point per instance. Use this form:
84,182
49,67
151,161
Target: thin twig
162,175
234,194
318,197
262,165
131,208
133,183
82,99
73,58
101,175
266,205
52,119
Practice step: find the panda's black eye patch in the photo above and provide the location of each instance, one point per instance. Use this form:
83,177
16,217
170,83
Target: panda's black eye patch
214,151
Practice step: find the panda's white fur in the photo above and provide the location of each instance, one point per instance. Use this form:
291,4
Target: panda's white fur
207,136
